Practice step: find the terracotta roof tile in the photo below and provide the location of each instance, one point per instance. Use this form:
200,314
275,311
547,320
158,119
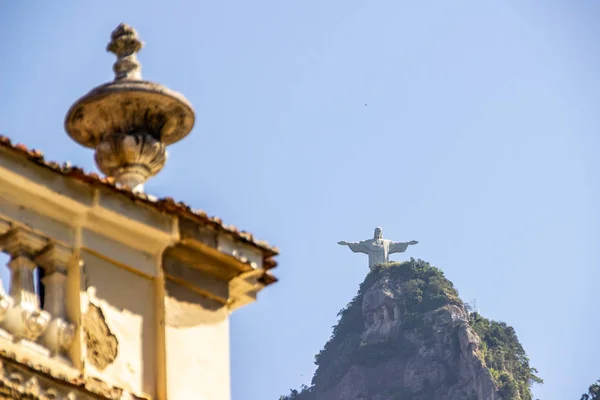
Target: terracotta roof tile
166,205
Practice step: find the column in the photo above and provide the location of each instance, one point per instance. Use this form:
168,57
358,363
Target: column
6,302
59,335
24,320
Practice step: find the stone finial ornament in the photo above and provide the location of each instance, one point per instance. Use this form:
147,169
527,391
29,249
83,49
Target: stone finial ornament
129,121
125,44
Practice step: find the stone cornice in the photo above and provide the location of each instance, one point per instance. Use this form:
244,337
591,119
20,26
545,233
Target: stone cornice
142,223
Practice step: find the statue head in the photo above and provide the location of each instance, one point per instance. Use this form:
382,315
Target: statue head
378,233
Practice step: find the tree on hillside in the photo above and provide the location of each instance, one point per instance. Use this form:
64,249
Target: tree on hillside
593,392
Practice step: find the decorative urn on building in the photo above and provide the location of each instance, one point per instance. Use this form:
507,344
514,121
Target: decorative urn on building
129,121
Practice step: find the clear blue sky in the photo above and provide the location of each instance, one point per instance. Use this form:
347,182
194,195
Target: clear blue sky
479,138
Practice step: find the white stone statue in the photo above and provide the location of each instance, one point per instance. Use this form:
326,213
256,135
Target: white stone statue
378,248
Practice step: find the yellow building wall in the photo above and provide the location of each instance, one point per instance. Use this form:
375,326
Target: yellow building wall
197,346
127,303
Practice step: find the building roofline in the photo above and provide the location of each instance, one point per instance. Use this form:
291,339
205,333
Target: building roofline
165,205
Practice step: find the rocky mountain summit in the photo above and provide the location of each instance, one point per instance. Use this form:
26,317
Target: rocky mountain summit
407,335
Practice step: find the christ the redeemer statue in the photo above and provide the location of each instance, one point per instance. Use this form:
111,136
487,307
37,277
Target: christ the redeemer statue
378,248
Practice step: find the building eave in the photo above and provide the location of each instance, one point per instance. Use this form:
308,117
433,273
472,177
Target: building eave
165,205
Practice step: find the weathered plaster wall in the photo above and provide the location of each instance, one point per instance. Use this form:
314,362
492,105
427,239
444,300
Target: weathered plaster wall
121,245
126,302
197,346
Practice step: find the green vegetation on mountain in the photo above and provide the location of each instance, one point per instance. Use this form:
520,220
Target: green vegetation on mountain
424,291
593,392
505,357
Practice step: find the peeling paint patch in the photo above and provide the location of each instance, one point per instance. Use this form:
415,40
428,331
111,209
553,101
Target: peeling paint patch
102,344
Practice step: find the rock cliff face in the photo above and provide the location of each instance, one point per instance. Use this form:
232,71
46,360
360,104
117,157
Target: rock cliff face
407,336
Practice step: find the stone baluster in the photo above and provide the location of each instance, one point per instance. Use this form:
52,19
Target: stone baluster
6,302
24,320
59,335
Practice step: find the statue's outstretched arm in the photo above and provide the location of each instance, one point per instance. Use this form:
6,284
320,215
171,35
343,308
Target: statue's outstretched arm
356,247
400,247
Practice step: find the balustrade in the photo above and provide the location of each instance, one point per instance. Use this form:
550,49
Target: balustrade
59,334
21,317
